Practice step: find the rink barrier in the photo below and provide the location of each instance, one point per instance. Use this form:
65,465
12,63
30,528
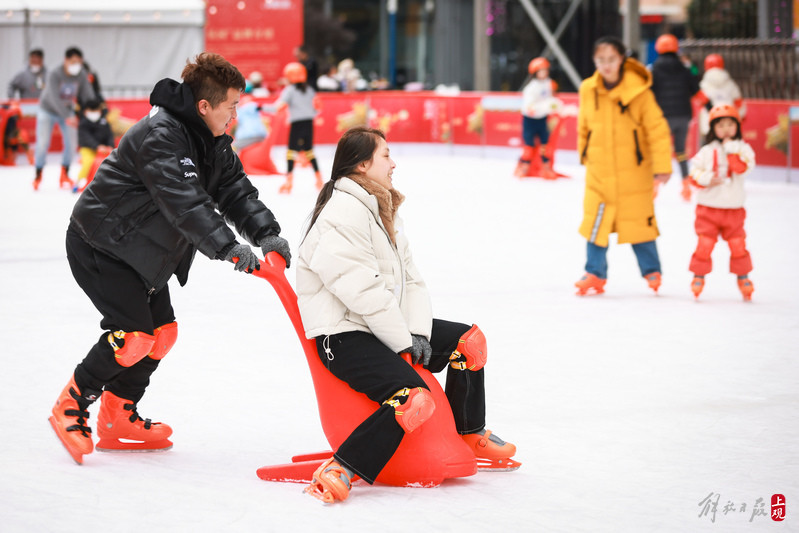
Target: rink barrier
472,118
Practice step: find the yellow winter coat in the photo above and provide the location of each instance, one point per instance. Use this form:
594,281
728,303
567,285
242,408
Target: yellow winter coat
623,140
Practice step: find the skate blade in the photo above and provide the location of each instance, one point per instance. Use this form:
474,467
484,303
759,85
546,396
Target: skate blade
117,446
316,490
76,455
497,465
591,291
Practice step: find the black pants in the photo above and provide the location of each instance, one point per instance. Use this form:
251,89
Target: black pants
369,366
119,293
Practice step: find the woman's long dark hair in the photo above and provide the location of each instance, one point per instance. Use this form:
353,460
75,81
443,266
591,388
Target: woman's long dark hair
357,145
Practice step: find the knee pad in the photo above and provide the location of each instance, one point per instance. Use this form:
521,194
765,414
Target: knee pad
705,247
412,407
165,337
472,349
737,247
309,154
130,347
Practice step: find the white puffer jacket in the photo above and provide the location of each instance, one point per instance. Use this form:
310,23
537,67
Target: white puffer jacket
711,161
351,277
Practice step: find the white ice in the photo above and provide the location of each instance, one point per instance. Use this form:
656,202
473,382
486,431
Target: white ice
628,409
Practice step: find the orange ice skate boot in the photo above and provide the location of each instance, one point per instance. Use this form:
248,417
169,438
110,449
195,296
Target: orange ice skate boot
697,285
686,190
653,279
547,173
120,428
331,482
590,283
746,287
287,185
492,453
319,181
69,420
64,181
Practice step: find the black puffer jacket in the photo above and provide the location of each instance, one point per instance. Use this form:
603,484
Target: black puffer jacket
167,191
673,85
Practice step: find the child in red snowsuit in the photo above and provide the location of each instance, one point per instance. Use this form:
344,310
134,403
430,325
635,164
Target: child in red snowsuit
718,169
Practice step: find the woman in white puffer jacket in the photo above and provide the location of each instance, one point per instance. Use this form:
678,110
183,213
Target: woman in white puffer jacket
363,301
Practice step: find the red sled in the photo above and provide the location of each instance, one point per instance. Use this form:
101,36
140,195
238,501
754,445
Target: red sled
426,457
535,168
257,158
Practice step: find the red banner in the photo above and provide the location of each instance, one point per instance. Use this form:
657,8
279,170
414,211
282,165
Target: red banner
490,119
255,35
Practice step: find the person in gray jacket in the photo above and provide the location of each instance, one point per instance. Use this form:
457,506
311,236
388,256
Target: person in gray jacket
169,190
57,105
29,82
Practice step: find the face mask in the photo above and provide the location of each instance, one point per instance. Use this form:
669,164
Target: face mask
73,69
36,69
94,116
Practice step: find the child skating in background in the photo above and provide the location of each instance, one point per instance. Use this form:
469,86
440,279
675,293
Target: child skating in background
95,138
303,106
716,88
719,169
537,102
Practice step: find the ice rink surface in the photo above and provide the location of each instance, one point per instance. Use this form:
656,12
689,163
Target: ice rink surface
631,412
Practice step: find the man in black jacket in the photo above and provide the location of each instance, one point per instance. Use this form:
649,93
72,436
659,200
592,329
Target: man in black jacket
164,193
674,85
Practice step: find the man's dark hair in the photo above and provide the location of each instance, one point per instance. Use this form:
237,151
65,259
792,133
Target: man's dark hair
73,51
37,52
210,77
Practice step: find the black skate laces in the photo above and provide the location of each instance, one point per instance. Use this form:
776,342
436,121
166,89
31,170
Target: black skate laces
134,415
81,413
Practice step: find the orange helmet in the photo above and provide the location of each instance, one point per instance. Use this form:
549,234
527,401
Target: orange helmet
714,61
537,64
667,43
724,111
295,72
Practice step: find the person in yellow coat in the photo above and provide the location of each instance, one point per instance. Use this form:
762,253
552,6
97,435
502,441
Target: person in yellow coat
625,144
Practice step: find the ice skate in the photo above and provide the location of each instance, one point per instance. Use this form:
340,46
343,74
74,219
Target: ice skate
590,283
69,421
64,181
331,482
37,180
686,190
547,173
653,279
746,287
120,428
521,169
493,453
319,181
287,185
697,285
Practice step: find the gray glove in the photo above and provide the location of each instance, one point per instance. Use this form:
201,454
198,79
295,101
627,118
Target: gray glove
274,243
248,261
419,350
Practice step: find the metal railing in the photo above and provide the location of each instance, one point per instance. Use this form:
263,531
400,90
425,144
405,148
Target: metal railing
766,69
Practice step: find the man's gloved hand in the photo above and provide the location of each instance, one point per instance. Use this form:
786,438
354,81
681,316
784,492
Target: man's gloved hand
248,261
419,350
274,243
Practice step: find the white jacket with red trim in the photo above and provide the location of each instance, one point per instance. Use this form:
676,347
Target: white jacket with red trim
711,161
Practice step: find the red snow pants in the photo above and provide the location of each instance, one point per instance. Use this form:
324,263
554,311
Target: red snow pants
729,223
